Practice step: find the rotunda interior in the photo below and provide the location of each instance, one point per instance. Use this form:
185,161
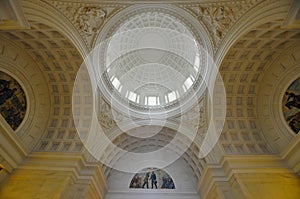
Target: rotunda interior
150,99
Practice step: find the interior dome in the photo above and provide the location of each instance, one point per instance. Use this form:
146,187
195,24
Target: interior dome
150,62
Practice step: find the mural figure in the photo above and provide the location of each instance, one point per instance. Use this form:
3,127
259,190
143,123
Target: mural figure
294,122
136,182
12,101
153,180
159,179
146,181
167,183
6,94
4,84
291,106
292,100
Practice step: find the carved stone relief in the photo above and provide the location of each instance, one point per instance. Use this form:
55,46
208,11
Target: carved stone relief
218,17
107,116
88,18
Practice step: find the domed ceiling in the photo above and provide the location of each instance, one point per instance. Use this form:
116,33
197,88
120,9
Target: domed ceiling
150,63
147,69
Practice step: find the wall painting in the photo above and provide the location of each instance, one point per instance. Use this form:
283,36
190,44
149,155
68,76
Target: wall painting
12,100
291,106
152,178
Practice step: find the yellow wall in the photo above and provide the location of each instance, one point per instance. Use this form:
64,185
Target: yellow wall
55,176
257,186
269,185
31,184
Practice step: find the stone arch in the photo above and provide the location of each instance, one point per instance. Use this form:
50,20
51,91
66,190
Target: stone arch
262,13
242,84
281,72
13,101
21,66
47,13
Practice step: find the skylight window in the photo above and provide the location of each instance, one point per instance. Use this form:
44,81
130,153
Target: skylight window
184,88
116,83
172,96
152,101
197,63
120,88
188,83
132,96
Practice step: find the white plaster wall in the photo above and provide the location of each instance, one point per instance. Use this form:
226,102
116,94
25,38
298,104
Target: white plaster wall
151,195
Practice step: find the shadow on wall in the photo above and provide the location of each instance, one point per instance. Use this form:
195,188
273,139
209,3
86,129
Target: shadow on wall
291,106
12,100
152,178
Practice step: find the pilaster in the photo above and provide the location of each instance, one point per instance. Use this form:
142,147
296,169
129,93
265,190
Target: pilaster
291,154
12,151
257,176
55,175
